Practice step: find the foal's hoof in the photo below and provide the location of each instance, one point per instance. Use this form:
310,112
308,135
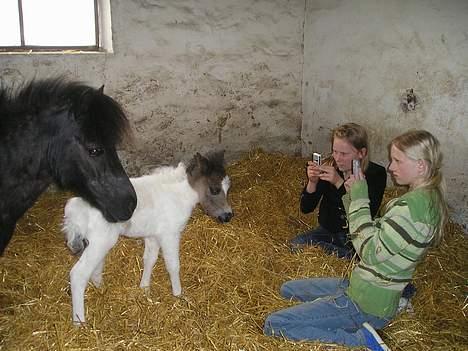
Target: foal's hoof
186,299
79,324
147,293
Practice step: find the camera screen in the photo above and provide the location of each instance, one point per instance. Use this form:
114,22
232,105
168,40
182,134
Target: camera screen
317,158
356,166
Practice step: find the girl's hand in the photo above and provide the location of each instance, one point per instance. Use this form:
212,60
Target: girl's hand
329,174
312,172
352,179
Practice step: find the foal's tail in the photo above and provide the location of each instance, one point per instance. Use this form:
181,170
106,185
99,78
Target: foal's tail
74,225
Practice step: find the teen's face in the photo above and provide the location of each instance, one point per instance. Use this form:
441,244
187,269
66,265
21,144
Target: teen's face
344,153
404,170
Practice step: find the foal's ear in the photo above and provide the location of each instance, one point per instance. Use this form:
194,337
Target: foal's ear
101,89
218,157
201,161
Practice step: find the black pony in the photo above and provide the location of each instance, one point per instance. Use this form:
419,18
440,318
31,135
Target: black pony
54,130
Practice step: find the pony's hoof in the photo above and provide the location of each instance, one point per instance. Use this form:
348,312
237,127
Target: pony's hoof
147,294
79,324
296,248
96,283
186,299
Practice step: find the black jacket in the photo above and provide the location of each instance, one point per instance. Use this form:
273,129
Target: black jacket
332,215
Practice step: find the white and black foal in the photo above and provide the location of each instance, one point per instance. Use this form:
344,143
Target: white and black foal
166,199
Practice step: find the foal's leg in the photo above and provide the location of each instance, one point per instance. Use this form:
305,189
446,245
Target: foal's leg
81,272
170,249
149,260
96,277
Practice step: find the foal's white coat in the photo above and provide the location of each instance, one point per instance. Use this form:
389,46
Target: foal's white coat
165,203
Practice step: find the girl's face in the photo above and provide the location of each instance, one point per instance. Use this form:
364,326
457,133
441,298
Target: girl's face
344,153
404,170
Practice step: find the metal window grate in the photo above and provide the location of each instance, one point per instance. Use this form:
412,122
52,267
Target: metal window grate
62,48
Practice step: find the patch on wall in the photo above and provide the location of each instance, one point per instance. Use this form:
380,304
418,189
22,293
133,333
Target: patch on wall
409,100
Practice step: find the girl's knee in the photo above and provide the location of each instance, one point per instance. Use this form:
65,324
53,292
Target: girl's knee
271,322
286,290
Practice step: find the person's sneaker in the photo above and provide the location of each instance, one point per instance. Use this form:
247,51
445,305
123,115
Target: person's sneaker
409,291
405,305
373,341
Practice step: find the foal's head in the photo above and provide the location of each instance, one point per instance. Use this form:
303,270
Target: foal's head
208,177
83,126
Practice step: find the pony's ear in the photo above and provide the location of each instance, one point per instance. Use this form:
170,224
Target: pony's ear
202,162
218,157
101,89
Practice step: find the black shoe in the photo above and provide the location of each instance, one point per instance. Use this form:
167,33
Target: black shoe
409,291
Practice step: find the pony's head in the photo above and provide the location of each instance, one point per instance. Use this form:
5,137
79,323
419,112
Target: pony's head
207,175
83,127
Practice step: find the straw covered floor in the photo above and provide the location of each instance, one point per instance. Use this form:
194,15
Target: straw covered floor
230,273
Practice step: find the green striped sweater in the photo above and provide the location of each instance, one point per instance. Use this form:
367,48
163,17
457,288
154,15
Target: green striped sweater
389,247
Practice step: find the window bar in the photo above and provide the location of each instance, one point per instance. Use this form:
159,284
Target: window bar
96,22
21,23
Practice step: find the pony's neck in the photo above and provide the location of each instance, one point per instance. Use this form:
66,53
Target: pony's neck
16,198
25,173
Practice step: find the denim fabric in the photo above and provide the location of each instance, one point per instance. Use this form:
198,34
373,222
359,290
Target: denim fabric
332,243
326,314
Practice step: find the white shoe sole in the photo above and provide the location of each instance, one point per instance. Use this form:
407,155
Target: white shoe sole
376,336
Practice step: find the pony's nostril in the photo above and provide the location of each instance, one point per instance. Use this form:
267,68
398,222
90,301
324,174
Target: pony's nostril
132,206
132,203
225,217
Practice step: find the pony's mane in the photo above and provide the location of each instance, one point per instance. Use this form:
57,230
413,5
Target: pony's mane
99,116
215,163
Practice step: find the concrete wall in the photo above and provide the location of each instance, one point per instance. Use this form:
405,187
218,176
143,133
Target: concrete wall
360,56
194,74
234,74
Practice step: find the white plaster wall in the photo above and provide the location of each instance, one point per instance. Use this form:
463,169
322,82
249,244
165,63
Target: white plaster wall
361,55
199,74
194,75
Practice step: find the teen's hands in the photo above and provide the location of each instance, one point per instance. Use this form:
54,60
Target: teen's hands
329,174
353,178
313,173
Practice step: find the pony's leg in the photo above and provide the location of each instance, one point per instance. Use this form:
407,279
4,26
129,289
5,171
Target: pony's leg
81,272
96,277
170,249
149,260
6,232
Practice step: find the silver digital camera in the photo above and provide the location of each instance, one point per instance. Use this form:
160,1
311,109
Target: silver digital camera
356,166
317,158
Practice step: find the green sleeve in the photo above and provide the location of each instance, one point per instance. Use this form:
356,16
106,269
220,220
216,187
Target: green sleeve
394,234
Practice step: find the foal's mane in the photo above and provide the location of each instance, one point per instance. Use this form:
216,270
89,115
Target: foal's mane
98,115
214,164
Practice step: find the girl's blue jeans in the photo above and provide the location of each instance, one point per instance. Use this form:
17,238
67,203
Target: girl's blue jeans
327,314
332,243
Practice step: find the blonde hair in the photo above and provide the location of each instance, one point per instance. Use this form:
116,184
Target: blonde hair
354,134
422,145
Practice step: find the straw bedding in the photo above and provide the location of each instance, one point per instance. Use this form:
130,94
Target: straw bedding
230,273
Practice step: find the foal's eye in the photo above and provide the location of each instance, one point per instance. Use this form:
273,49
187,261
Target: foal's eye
93,152
215,191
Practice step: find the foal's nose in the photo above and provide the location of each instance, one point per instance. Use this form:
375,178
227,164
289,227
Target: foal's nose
225,217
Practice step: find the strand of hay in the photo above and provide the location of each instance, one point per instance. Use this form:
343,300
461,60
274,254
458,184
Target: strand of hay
230,274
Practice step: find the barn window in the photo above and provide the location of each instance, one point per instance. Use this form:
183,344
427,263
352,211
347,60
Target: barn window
55,25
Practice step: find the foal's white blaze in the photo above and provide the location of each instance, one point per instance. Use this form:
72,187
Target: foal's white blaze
226,184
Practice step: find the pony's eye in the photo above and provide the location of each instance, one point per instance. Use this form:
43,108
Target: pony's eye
93,152
215,191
